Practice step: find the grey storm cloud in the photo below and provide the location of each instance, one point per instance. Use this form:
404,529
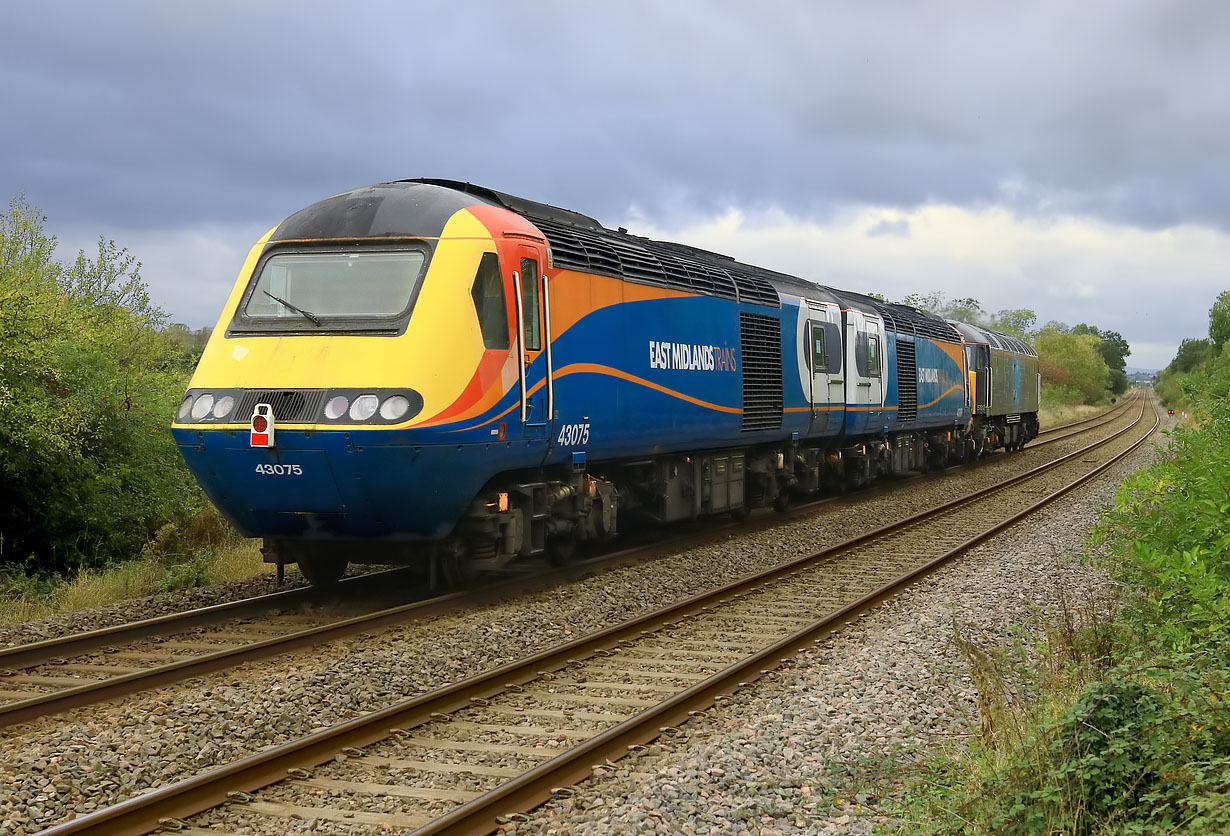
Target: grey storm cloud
164,115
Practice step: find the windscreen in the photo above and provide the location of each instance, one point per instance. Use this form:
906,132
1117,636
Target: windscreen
294,287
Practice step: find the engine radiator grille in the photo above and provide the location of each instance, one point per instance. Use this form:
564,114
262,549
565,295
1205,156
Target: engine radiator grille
907,381
289,405
762,371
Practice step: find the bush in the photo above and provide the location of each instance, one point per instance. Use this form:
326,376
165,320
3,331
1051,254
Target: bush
88,383
1125,758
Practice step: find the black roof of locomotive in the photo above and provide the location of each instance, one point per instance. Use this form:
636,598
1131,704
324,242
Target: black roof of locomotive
382,210
422,206
1004,342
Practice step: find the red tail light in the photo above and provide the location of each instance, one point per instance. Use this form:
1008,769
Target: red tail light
262,426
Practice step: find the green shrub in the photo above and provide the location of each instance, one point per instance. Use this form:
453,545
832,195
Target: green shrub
89,381
1126,758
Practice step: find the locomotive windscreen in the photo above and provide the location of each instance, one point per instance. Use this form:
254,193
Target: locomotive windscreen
299,286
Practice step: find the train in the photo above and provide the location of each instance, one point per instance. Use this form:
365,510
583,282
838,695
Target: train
429,372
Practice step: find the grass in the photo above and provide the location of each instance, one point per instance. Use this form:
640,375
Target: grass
200,552
1054,416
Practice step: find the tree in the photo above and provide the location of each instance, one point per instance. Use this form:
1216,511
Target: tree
88,384
1114,347
966,310
1192,354
1073,360
1015,322
1219,320
924,301
963,310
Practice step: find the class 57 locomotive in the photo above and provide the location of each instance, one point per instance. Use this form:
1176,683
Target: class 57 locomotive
432,373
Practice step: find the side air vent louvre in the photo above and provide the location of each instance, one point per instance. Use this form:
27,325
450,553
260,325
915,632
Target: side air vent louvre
907,381
761,337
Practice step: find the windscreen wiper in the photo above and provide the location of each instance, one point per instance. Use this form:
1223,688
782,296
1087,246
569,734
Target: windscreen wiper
307,314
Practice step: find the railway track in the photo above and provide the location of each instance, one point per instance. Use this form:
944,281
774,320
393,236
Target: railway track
59,674
456,760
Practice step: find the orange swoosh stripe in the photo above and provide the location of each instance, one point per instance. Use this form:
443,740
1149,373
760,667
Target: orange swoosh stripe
594,368
955,387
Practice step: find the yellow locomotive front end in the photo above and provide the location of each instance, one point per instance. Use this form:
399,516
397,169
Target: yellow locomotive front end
319,414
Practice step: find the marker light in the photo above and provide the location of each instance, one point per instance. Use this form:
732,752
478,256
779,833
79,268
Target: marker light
261,426
185,408
336,407
364,407
224,406
202,406
394,407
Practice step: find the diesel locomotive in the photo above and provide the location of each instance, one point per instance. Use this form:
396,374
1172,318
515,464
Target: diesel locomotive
427,371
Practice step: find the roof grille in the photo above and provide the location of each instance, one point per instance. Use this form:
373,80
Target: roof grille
654,262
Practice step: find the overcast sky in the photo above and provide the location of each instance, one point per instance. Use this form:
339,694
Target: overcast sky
1069,157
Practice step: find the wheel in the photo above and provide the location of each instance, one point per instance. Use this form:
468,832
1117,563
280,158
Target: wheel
740,514
322,570
455,564
782,503
561,549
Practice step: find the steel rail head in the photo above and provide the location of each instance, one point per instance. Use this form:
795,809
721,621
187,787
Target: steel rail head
27,655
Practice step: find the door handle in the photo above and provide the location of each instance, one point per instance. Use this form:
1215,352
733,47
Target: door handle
833,380
864,383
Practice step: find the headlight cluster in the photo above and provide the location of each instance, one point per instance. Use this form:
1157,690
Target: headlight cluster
208,406
301,406
364,405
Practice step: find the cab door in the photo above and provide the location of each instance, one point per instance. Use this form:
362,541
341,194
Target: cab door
864,371
979,359
824,355
534,340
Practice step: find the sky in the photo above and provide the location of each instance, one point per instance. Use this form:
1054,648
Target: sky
1066,157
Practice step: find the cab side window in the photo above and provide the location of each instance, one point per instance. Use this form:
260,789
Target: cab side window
819,357
488,293
873,356
529,300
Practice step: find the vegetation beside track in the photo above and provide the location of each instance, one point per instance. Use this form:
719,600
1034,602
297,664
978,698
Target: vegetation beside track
1113,716
1054,416
90,374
